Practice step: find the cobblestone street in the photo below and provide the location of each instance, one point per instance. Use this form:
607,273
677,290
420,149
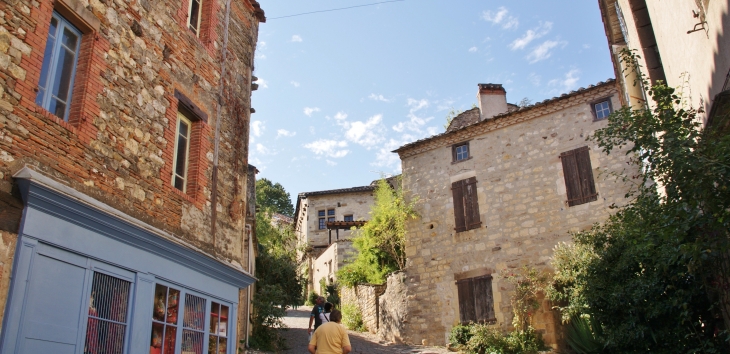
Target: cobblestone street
362,343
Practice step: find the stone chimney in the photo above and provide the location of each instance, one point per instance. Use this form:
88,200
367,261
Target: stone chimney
492,100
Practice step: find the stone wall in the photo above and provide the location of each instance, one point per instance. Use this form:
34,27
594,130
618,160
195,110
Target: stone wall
393,315
356,204
522,206
366,297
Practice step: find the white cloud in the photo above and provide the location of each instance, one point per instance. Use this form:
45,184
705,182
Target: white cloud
568,82
295,84
331,163
414,122
263,83
262,44
296,38
542,51
329,148
260,56
473,49
367,134
531,35
501,17
341,116
261,149
381,98
386,158
309,110
257,128
285,133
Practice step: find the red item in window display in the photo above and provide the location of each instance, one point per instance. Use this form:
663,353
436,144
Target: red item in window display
92,330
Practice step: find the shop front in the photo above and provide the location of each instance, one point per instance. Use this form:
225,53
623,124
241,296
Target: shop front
89,279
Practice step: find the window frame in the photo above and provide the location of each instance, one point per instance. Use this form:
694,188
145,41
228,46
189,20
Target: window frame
321,219
195,30
454,154
597,102
46,96
468,300
577,165
189,122
351,216
209,300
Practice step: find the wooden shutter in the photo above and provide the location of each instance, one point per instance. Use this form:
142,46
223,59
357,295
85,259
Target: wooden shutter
466,301
578,175
483,299
457,190
466,204
471,204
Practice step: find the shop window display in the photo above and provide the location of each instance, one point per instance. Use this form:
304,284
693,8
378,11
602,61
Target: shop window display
164,320
218,339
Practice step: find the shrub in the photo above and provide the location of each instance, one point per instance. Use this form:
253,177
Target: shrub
460,335
312,299
489,339
352,318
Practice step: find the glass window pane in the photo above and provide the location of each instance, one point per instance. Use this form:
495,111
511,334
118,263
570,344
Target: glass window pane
331,212
214,315
183,128
179,183
64,71
108,306
192,342
173,302
43,82
222,345
58,108
223,324
182,149
330,219
320,213
53,27
212,344
194,15
69,39
170,338
156,340
194,312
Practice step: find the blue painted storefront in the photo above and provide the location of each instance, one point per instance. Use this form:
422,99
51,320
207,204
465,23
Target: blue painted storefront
86,276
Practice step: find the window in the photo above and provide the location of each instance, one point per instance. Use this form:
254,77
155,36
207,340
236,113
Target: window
194,15
172,334
108,315
460,152
349,218
476,302
182,150
218,341
578,175
466,205
59,67
602,109
331,212
322,225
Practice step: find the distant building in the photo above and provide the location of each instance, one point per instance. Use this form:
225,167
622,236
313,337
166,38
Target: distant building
683,43
498,190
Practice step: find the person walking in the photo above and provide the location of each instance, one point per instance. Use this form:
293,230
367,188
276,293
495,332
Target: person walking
324,317
314,316
330,337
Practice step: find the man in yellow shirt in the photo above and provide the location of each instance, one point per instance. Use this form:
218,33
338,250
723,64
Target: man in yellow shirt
330,337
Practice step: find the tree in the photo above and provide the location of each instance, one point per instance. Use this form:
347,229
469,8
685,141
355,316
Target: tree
381,242
655,275
274,197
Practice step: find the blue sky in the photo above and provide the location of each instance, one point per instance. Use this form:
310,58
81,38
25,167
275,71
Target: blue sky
340,90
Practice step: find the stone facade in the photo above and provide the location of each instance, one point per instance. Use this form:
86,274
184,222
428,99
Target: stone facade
325,249
138,64
367,299
692,50
521,193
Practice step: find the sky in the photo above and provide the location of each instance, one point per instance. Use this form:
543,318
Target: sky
339,90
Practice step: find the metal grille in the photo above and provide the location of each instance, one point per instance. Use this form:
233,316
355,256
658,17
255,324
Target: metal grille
193,325
108,309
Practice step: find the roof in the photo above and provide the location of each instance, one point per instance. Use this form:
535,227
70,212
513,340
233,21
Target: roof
464,119
499,118
360,189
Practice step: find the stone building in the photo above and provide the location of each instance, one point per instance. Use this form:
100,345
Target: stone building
123,174
683,43
498,194
322,222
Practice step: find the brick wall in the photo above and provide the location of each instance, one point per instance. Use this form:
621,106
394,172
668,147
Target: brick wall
117,145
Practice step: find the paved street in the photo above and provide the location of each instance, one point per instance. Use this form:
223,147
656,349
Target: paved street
362,343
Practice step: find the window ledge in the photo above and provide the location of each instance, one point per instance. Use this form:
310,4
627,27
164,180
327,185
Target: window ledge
466,159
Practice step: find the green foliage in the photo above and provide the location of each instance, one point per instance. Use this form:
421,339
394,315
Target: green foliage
529,283
312,299
489,339
381,242
333,295
570,262
273,197
352,318
279,285
657,278
453,113
580,337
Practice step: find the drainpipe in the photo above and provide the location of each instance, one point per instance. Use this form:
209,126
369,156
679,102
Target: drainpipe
250,271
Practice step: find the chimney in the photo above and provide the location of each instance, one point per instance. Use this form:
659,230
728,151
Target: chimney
492,100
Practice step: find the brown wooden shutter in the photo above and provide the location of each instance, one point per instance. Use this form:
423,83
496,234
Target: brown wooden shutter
466,301
484,299
457,190
587,184
471,204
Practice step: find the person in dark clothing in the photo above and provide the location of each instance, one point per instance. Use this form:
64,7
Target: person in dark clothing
314,316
